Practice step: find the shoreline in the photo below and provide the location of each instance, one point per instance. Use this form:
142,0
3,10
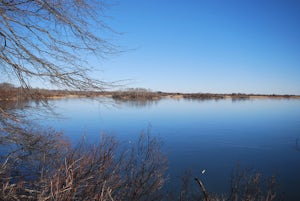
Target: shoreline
195,96
141,95
229,96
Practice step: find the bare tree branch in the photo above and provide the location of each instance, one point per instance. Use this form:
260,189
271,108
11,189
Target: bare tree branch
47,40
50,41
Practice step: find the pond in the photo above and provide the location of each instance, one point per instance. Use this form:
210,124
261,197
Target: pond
207,135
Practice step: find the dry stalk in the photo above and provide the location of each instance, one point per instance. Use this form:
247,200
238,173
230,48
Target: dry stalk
202,187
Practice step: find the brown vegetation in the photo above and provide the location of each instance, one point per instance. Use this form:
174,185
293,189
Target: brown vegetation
10,92
204,96
136,95
246,185
45,167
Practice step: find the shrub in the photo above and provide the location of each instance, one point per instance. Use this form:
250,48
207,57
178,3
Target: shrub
43,166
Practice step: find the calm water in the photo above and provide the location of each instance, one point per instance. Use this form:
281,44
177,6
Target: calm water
211,135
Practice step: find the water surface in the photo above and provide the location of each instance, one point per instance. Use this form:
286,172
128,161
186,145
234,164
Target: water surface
211,135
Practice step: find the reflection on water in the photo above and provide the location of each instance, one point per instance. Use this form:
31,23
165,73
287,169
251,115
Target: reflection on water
13,105
137,103
213,135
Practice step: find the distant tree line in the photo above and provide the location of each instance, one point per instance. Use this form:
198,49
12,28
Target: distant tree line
136,94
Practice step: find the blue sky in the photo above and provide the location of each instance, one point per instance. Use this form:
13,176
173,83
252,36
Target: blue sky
217,46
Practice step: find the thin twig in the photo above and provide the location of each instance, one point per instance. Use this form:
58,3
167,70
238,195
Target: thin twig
202,188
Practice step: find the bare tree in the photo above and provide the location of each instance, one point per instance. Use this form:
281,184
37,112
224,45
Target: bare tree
48,40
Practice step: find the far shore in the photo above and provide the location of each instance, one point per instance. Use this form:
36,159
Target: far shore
15,94
148,96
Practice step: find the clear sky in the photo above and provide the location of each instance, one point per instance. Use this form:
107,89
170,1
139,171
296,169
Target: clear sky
217,46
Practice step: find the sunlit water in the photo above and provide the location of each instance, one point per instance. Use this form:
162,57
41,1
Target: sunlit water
200,135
